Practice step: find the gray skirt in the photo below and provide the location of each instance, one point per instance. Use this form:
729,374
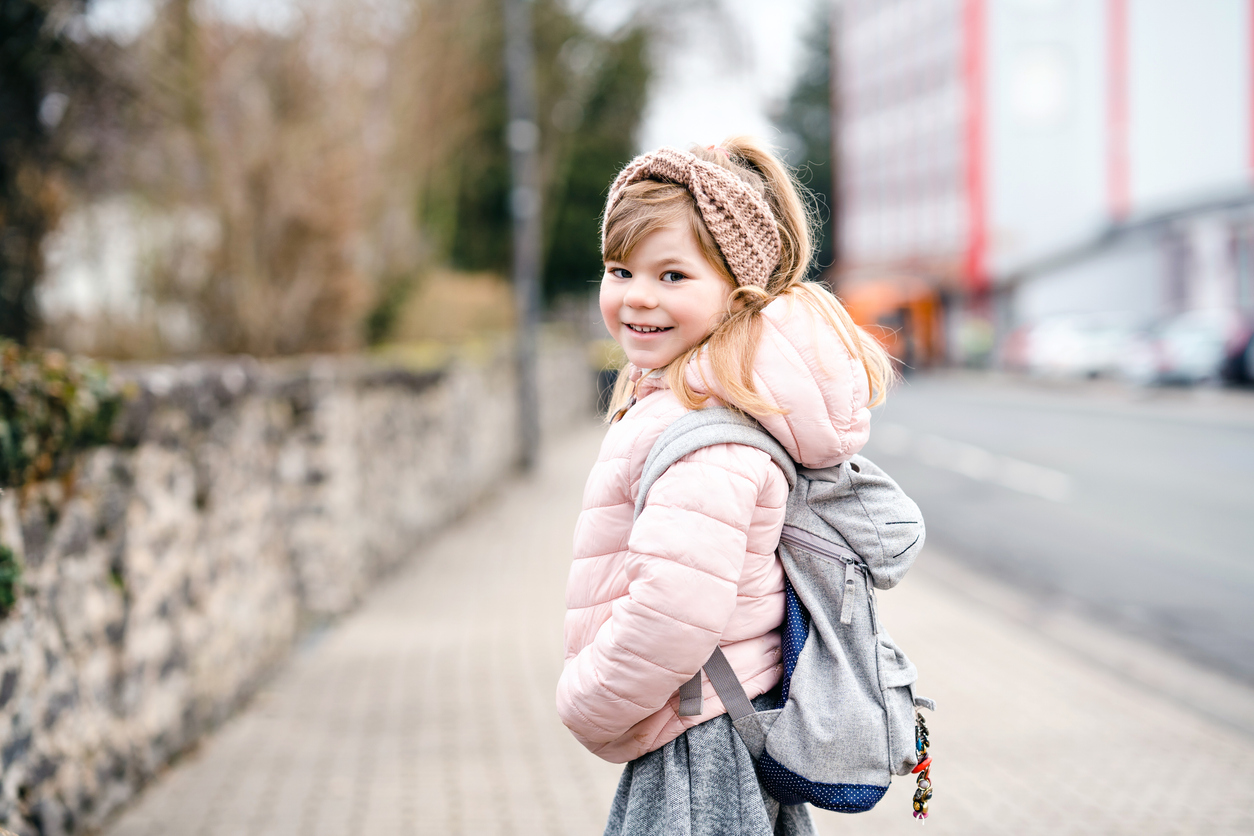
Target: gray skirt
702,783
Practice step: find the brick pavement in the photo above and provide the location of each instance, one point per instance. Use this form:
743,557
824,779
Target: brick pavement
430,710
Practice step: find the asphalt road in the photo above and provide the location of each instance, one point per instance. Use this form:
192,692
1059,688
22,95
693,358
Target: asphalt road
1133,506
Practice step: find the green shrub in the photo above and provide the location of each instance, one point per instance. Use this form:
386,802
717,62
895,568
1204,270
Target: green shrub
50,407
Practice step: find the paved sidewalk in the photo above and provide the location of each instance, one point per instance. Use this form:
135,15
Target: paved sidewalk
430,711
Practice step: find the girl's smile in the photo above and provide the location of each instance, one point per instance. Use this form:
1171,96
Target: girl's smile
663,298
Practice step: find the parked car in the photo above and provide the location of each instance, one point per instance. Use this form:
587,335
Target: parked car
1193,347
1238,365
1078,345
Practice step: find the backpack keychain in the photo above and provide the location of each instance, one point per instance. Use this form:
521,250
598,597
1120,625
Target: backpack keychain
924,792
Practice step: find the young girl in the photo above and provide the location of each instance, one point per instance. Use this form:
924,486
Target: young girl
705,254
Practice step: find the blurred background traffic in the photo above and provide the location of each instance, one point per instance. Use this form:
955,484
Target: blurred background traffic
1057,188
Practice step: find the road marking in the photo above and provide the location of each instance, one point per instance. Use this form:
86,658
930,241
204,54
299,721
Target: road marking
974,462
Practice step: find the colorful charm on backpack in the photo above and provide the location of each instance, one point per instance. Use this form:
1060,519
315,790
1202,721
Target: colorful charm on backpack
924,792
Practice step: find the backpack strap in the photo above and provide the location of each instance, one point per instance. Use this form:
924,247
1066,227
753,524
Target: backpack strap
705,428
691,432
727,686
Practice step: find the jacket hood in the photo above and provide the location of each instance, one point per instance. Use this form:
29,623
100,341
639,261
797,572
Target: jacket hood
803,368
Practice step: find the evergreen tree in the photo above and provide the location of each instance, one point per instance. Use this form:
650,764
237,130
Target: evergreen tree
590,97
30,50
807,120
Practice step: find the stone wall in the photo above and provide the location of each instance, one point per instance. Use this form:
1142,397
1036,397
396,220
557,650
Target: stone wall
168,574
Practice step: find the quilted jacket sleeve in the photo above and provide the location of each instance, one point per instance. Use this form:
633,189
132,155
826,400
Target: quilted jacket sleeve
685,556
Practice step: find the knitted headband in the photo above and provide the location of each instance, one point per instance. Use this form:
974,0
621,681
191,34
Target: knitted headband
738,217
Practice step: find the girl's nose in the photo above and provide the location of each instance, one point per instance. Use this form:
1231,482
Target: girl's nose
639,295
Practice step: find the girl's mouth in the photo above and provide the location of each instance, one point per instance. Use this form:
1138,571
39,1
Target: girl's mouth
646,329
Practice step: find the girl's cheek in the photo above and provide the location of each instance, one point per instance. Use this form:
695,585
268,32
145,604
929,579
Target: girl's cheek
609,311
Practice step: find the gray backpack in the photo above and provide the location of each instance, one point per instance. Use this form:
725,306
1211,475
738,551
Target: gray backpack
845,722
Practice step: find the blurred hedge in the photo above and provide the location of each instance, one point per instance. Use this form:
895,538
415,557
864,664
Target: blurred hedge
50,408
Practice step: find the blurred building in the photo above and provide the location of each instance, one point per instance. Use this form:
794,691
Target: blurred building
1005,163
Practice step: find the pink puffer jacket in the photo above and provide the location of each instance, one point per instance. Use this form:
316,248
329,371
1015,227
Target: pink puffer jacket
647,603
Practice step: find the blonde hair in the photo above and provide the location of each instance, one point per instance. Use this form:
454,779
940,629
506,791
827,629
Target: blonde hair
730,348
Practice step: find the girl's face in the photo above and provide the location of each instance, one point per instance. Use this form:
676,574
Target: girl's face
663,299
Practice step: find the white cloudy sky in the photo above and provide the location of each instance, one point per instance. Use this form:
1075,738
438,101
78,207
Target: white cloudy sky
721,69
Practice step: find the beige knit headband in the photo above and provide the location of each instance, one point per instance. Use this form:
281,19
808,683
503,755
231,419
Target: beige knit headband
738,217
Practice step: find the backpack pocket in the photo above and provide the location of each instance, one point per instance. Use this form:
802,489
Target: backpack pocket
897,677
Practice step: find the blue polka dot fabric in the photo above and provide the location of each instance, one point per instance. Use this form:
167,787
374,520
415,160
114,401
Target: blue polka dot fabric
796,629
784,785
787,787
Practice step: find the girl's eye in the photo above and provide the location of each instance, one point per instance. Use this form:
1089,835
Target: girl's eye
672,276
620,272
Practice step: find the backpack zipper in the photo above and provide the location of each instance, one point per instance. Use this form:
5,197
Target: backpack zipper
821,548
